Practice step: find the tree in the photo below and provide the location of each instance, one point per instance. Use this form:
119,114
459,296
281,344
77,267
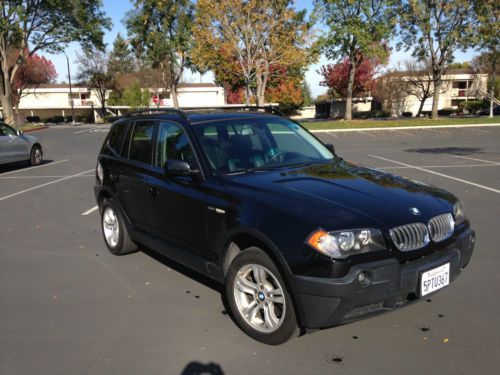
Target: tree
486,62
35,71
160,33
418,78
391,90
259,35
288,95
357,29
121,60
435,29
488,13
135,97
43,25
93,72
306,94
336,77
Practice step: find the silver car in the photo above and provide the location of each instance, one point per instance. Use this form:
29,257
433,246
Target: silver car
17,146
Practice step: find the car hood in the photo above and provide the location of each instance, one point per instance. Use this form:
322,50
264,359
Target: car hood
29,138
341,195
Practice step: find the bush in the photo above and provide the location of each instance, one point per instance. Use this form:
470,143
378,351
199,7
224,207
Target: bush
472,106
87,119
54,120
370,114
447,112
407,114
68,119
33,118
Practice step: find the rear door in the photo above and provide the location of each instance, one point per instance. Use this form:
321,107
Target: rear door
132,177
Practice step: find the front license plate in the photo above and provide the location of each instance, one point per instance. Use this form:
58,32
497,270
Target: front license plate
435,279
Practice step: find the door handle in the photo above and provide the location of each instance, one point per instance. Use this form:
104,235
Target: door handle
152,191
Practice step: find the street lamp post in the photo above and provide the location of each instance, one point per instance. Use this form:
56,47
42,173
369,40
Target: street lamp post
70,91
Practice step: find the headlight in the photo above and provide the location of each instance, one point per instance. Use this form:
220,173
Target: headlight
459,213
344,243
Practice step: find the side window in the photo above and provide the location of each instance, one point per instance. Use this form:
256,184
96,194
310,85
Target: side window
116,136
141,141
6,130
173,144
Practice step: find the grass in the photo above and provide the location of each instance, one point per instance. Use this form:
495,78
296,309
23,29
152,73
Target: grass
29,126
389,123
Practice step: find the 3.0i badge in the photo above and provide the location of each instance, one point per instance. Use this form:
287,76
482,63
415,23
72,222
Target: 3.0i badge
415,211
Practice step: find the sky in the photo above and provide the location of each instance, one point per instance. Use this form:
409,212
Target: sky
116,9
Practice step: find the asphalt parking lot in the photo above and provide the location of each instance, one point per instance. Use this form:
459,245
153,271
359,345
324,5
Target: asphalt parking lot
67,306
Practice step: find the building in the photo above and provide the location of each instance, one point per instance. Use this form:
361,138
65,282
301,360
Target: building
47,101
459,85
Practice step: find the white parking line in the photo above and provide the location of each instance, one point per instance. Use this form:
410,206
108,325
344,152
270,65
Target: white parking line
31,168
83,131
366,133
469,158
42,185
444,166
88,212
35,177
439,174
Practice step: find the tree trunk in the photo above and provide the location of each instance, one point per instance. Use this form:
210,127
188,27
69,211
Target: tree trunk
8,107
350,87
260,90
175,99
435,98
247,92
492,96
422,102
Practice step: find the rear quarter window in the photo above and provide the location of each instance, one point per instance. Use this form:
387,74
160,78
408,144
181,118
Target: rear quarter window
116,137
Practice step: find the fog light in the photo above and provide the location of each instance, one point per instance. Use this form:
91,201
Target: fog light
364,278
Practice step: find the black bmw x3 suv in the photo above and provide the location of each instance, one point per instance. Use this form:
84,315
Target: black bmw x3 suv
300,238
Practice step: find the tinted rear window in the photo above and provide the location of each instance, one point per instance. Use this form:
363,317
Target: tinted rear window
141,142
116,136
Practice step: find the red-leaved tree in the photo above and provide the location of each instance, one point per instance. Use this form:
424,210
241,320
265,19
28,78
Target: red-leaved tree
336,77
35,71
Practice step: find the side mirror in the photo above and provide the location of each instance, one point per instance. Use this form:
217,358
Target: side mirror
178,168
19,133
331,148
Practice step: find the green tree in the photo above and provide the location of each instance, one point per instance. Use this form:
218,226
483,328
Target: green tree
93,72
488,14
251,39
121,60
135,97
43,25
160,33
435,29
306,94
357,29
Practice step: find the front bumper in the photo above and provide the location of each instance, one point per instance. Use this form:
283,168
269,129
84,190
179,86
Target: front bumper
325,303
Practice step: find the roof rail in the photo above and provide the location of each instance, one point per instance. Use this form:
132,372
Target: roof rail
267,109
157,110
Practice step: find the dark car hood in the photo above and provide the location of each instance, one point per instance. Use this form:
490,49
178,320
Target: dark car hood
341,195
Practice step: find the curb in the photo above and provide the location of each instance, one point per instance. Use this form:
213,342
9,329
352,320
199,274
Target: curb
35,129
417,127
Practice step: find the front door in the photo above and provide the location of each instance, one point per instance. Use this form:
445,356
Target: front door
5,146
178,207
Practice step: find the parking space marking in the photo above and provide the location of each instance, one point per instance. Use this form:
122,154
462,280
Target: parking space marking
82,131
402,132
43,185
438,174
89,211
31,168
444,166
475,159
35,177
366,133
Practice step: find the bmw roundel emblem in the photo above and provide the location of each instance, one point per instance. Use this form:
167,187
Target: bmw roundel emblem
415,211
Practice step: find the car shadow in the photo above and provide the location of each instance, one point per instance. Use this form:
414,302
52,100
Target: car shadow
447,150
20,165
197,368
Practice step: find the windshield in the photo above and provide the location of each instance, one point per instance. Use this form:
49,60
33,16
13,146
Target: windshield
258,144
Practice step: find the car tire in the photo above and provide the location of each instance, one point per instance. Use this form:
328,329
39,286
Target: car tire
258,298
114,231
36,155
